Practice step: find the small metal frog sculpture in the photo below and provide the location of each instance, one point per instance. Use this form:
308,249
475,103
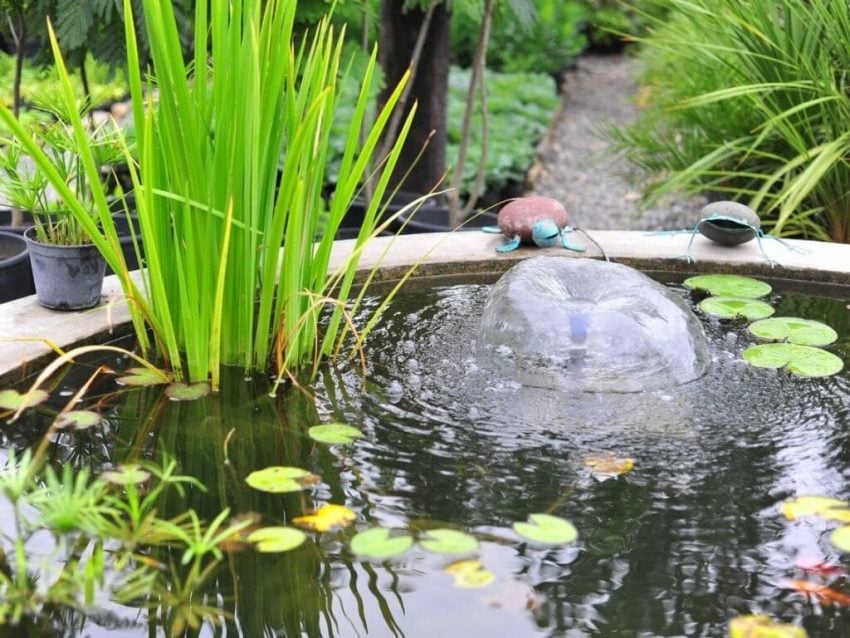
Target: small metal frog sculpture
730,223
537,220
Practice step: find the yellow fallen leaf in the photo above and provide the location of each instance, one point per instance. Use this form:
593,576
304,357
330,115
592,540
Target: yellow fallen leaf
608,465
326,518
470,574
823,506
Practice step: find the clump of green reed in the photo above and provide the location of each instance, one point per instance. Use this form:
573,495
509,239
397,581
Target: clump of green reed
750,100
213,209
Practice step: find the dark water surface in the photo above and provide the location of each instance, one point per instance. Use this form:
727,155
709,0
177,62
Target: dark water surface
687,540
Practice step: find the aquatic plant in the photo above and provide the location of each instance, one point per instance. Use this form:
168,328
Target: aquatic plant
213,210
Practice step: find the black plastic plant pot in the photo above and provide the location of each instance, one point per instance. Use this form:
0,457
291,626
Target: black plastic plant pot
15,271
66,277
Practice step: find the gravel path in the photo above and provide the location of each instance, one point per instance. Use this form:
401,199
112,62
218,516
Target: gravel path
572,165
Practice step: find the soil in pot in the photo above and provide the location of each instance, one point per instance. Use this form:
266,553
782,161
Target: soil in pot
66,277
15,272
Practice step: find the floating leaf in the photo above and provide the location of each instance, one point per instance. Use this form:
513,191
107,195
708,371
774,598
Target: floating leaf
803,361
804,332
14,400
334,433
735,307
143,377
78,419
819,567
547,529
278,479
823,593
729,286
823,506
130,474
377,543
277,539
326,518
840,538
187,391
470,574
763,627
608,465
448,541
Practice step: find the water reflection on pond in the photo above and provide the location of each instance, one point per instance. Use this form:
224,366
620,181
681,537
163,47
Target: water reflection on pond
688,539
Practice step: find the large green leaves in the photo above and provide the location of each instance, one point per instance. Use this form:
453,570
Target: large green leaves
803,361
729,286
804,332
281,479
735,307
380,544
547,530
277,539
448,541
334,433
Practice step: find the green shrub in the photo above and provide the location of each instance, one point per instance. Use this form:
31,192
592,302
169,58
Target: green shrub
750,100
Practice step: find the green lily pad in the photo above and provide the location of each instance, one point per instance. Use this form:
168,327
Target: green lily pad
14,400
734,307
840,538
279,479
187,391
729,286
803,361
277,539
334,433
448,541
78,419
758,626
547,529
130,474
138,377
804,332
377,543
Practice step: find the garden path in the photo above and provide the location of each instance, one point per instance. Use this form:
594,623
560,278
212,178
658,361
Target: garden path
572,164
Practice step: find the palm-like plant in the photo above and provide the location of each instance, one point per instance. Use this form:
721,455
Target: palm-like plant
751,99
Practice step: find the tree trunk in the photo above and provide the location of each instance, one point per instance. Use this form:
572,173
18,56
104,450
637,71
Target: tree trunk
429,89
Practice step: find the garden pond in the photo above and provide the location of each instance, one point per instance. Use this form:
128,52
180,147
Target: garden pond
676,493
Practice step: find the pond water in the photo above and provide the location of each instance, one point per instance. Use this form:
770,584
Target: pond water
688,539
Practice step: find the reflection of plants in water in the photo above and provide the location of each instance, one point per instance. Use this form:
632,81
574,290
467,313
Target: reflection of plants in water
94,522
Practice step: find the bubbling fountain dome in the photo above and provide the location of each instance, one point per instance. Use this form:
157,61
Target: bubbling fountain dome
586,325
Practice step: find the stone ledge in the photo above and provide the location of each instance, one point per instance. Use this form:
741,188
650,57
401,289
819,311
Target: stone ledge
24,324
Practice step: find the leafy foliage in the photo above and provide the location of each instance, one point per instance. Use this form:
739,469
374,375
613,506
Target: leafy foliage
750,99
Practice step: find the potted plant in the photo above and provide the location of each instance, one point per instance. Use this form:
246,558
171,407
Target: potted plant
67,267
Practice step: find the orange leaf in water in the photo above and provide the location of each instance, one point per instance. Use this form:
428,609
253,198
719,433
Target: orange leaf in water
607,465
823,593
326,518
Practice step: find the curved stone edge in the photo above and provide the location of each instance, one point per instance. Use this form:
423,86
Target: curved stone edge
812,266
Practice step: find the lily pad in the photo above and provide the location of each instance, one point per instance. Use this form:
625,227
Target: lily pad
14,400
758,626
279,479
729,286
142,376
840,538
823,506
277,539
804,332
326,518
803,361
377,543
129,474
470,574
78,420
735,307
547,529
334,433
448,541
187,391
